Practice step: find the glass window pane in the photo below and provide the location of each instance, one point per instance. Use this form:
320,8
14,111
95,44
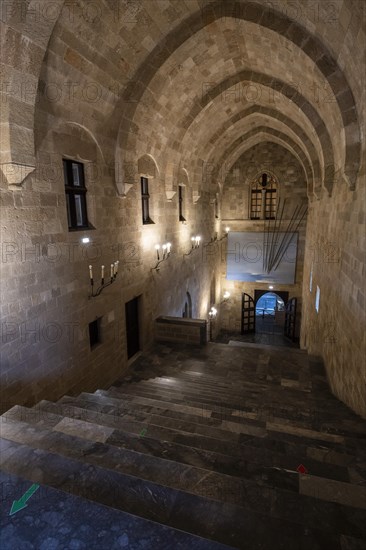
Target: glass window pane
79,210
76,174
68,198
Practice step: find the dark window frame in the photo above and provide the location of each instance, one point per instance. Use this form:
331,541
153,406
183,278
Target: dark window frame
145,201
181,203
270,199
72,190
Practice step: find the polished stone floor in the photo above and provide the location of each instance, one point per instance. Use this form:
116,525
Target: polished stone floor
226,446
267,333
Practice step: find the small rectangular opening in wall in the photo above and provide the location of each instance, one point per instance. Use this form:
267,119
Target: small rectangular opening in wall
311,279
317,299
94,333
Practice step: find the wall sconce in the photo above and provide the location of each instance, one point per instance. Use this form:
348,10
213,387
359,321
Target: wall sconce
196,240
226,297
212,313
162,254
103,284
216,240
227,229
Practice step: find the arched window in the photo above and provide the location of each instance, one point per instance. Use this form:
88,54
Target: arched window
263,198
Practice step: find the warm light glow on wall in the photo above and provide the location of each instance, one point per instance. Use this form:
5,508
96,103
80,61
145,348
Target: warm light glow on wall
149,238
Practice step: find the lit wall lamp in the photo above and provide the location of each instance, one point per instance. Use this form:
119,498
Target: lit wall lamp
162,254
216,240
212,313
103,284
227,229
225,297
196,240
212,316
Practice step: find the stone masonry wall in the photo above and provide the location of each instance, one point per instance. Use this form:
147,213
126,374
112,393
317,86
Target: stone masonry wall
235,214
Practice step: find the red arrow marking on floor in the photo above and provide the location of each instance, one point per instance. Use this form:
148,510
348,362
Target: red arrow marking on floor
301,469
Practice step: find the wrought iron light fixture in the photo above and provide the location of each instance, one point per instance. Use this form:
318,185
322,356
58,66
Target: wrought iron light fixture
162,256
103,284
196,240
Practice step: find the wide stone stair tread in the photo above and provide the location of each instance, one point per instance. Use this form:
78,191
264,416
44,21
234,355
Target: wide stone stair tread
142,413
328,423
54,516
178,509
271,402
206,411
103,402
207,518
275,431
243,446
274,396
159,470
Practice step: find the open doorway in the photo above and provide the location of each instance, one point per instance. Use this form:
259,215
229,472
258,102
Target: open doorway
187,312
270,311
132,327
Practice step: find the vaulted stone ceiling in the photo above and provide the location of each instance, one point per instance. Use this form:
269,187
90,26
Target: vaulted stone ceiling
193,83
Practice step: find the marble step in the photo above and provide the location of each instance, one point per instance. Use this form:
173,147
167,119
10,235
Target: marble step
249,345
108,428
219,413
277,431
160,470
324,456
322,422
95,428
298,445
165,428
284,400
141,413
193,480
160,425
57,519
224,523
273,397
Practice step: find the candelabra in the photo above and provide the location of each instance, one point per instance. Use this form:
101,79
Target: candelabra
196,240
216,240
161,257
103,284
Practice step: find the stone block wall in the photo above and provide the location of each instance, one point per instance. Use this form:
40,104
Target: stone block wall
236,211
335,262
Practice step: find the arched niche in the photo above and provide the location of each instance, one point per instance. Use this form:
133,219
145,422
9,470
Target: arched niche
147,167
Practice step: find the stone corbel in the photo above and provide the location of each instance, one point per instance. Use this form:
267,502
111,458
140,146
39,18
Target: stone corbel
196,196
125,178
15,173
170,194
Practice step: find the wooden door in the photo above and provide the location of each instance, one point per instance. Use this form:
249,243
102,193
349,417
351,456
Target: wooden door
290,318
247,314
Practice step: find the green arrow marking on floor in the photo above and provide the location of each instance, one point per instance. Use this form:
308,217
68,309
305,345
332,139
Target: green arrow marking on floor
22,502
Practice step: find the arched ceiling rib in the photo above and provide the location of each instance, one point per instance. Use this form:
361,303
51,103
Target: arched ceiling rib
289,144
270,19
263,113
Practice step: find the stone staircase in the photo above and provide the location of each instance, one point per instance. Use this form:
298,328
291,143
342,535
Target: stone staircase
197,448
